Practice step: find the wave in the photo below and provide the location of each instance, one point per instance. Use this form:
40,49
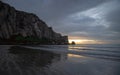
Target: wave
99,53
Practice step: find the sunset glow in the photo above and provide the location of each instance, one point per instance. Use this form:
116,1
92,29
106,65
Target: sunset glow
75,40
85,41
81,40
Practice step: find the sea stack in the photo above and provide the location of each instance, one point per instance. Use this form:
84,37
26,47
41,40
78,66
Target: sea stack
19,27
73,43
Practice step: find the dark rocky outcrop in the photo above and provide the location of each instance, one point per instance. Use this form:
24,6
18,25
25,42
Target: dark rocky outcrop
25,28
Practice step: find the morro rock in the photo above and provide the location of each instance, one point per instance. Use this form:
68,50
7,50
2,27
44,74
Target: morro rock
18,27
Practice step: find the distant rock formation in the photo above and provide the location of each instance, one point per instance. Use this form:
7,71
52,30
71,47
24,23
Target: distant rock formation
73,43
25,28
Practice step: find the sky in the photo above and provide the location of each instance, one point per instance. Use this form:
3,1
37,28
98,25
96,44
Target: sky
84,21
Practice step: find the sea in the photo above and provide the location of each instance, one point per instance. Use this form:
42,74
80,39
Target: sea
83,59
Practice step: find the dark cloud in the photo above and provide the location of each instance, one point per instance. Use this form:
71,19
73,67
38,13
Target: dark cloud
54,9
114,20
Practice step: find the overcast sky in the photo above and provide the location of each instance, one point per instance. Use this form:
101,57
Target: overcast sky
81,19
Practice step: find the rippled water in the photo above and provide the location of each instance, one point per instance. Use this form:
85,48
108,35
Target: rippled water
111,52
60,60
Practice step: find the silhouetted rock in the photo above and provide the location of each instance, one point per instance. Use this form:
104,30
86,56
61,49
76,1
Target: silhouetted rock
25,28
73,43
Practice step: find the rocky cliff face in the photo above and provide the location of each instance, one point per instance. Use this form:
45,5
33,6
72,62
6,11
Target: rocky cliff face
14,23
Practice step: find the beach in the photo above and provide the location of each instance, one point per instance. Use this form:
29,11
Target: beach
59,60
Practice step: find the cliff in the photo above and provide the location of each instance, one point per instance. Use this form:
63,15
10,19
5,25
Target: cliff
25,28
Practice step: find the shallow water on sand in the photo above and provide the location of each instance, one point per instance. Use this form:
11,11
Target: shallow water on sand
60,60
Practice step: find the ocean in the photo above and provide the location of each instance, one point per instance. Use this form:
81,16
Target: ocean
99,59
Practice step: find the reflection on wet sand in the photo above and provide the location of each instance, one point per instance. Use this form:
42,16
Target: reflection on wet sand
23,61
76,56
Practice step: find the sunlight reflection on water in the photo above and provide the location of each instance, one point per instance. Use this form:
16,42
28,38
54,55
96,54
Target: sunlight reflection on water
75,47
76,56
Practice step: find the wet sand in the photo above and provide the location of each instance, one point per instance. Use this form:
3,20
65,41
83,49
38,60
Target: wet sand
17,60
